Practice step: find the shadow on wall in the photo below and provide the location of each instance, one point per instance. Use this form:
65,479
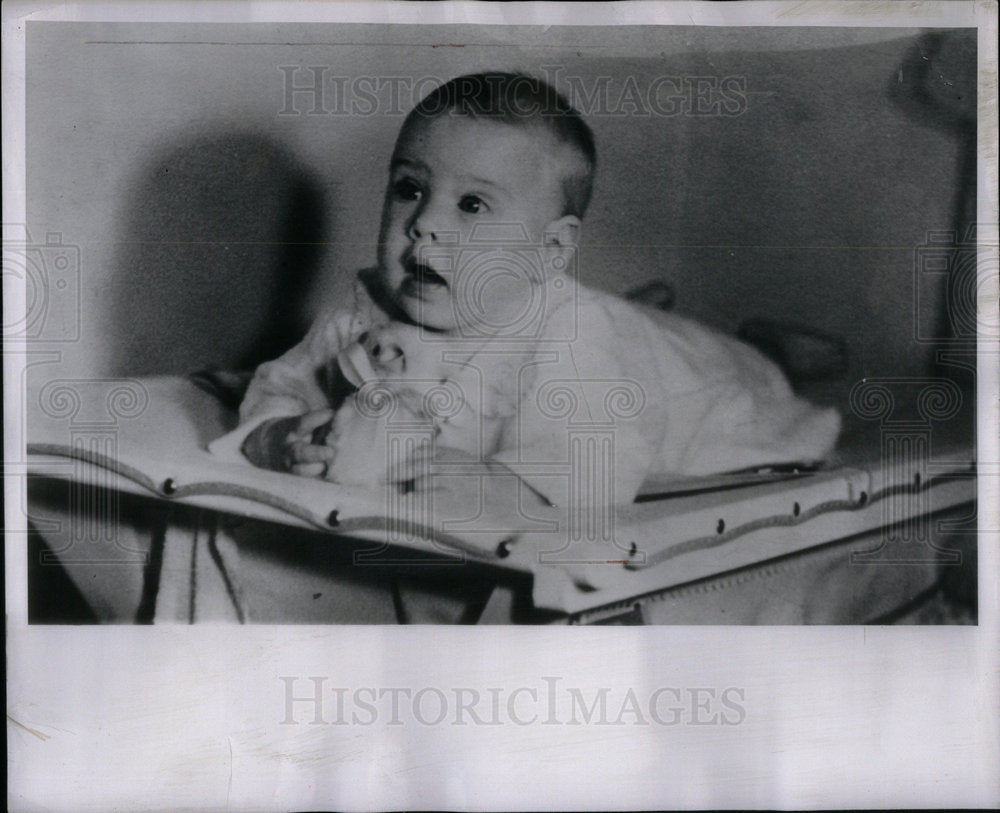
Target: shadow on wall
221,241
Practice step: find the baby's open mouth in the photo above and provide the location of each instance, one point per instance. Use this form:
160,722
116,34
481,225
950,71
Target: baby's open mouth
423,276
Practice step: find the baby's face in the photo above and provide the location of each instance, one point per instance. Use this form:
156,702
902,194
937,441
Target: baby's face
450,175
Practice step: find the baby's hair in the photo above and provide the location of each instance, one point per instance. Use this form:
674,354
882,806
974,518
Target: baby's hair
520,100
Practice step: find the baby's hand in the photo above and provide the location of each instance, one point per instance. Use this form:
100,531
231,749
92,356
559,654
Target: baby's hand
427,467
306,454
484,498
416,467
289,444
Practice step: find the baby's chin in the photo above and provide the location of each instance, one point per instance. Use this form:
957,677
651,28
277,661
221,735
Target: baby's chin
434,312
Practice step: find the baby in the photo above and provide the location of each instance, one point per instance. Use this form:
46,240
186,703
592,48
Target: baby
475,289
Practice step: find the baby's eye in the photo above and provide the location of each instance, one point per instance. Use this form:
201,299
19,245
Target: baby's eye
472,205
405,189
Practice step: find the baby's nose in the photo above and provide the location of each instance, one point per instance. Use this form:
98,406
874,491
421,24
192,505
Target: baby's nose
429,222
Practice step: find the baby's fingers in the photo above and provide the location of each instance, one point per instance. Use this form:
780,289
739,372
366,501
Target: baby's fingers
313,420
305,452
309,469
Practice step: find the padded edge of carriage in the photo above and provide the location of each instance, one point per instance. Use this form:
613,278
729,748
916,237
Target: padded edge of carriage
148,437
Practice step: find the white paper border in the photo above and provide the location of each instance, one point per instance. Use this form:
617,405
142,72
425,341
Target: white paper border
188,718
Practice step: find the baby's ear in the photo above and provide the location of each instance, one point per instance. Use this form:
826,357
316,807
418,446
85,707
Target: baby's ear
563,232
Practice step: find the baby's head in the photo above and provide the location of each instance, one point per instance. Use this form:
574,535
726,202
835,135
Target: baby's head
484,164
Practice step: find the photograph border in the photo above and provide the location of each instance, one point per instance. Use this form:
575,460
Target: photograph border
280,717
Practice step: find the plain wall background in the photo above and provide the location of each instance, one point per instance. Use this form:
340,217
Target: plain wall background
212,228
